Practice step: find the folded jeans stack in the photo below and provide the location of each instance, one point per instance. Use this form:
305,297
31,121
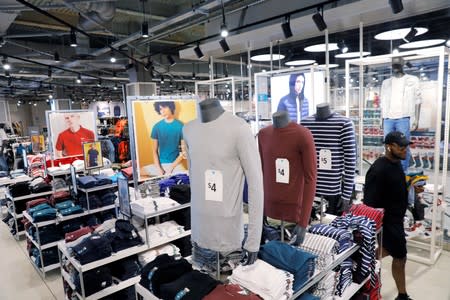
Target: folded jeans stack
206,259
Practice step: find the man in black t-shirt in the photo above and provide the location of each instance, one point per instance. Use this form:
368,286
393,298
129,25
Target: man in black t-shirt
385,187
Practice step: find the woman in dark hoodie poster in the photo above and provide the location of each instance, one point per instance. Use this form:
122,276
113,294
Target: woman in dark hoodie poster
295,103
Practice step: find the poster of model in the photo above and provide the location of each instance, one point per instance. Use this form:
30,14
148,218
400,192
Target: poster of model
69,130
92,153
158,127
295,93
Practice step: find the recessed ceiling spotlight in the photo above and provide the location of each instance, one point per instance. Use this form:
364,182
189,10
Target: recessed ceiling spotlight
322,47
399,34
395,51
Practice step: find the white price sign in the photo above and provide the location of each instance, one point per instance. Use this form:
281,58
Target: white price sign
282,170
213,185
325,159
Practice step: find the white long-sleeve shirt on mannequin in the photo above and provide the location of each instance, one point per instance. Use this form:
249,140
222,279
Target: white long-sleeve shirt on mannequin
222,153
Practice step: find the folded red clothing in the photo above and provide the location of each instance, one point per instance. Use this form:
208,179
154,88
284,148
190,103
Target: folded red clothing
35,202
74,235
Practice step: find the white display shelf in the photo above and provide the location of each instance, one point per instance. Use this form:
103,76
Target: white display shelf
51,267
67,279
97,188
98,263
58,172
319,275
43,247
144,293
35,195
112,289
139,214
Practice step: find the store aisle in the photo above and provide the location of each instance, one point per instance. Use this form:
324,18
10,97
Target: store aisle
18,279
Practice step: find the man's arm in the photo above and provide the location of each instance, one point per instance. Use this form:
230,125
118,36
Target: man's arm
281,105
59,153
156,157
179,159
371,188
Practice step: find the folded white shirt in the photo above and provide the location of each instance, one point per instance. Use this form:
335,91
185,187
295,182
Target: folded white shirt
160,232
150,255
264,280
152,205
107,225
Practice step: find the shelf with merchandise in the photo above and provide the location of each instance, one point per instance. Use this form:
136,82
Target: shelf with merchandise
117,285
141,215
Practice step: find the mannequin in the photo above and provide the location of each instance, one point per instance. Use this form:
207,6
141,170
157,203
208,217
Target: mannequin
221,149
288,158
334,138
400,102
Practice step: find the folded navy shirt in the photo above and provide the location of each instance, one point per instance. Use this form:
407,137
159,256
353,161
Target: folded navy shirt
190,286
86,182
102,179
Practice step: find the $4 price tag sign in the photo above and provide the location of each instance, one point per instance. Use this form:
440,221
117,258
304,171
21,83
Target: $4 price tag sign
213,185
282,170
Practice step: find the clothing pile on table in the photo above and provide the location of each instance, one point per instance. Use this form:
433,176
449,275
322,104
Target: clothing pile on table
160,232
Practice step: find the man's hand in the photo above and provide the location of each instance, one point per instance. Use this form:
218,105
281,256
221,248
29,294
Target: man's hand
248,258
414,126
298,235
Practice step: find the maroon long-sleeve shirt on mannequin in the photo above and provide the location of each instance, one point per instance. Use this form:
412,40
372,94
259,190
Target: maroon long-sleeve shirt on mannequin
290,199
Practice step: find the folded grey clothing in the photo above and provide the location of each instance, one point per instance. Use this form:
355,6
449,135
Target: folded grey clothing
106,226
94,280
190,286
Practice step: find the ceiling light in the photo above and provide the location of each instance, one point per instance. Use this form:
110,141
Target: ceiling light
343,47
193,75
330,66
398,34
35,104
395,51
223,43
411,35
6,65
47,100
447,43
115,87
50,96
79,79
318,19
198,52
286,27
267,57
302,62
144,30
223,30
421,44
99,83
112,59
396,6
171,60
56,57
162,79
322,47
351,54
73,39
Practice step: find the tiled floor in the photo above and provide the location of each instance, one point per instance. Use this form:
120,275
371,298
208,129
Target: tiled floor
20,281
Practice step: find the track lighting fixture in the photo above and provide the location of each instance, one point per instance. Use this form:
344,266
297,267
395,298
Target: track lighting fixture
112,59
56,57
99,83
286,26
79,79
9,81
396,6
115,87
318,19
223,30
162,79
411,35
144,29
198,52
193,75
49,72
223,43
73,39
343,47
6,65
171,60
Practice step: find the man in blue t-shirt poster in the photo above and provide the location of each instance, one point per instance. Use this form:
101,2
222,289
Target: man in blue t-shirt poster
167,137
92,156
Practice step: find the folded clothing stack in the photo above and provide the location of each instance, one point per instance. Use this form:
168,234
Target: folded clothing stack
98,199
68,208
230,291
47,234
151,255
166,184
126,268
206,259
124,235
94,280
92,181
288,258
42,212
50,257
92,248
152,205
193,285
160,232
264,280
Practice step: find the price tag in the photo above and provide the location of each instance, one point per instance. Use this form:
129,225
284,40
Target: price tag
282,169
213,185
325,159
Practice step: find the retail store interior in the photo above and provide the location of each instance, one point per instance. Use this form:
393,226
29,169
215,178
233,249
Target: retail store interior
224,149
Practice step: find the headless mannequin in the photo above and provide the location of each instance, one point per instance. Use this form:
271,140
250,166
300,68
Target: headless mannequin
210,110
281,120
323,112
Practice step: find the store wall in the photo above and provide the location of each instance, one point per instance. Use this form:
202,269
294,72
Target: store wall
21,114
